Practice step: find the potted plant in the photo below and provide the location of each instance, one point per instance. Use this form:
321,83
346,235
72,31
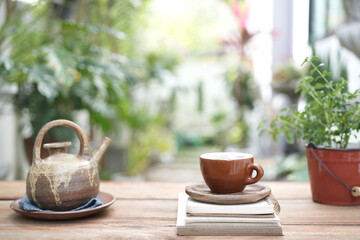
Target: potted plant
329,119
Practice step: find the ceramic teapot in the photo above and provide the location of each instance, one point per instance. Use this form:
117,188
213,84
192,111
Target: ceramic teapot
64,181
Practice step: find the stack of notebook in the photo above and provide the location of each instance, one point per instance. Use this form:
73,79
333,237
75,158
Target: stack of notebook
200,218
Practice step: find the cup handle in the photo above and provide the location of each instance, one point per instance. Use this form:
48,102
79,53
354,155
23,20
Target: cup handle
259,173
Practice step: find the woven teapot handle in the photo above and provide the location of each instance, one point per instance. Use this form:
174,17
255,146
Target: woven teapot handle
84,143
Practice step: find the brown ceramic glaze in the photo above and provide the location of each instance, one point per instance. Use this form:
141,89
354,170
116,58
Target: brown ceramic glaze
64,181
252,193
229,172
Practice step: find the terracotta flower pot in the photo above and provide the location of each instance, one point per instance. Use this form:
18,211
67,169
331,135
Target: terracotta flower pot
345,167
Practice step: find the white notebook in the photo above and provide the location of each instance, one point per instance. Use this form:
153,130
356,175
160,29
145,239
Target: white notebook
194,207
215,219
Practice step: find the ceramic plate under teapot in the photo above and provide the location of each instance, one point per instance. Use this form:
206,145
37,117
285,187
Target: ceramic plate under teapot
106,198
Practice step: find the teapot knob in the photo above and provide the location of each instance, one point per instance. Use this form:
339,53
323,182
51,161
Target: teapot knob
57,147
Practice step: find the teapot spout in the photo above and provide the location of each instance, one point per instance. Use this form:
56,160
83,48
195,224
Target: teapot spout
100,150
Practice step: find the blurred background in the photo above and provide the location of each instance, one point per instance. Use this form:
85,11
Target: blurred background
165,80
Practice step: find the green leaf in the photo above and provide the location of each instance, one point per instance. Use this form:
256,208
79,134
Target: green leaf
44,80
312,71
314,58
298,88
308,79
326,73
319,86
63,64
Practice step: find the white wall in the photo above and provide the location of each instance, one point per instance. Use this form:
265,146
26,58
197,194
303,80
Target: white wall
12,160
8,137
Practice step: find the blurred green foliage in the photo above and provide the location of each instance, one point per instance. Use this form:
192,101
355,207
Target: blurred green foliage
152,142
286,73
65,64
244,91
71,56
292,167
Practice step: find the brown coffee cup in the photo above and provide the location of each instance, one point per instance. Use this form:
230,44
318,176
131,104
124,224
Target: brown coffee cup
229,172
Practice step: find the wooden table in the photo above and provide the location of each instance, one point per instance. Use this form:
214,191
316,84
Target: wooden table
147,210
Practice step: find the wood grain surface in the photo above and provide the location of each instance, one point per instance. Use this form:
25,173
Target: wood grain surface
146,210
160,190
